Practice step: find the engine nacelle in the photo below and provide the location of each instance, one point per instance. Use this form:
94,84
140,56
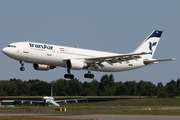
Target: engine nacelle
43,67
76,64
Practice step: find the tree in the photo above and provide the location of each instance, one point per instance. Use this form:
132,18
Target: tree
94,86
58,87
150,88
68,91
88,92
121,89
171,90
132,87
41,87
146,88
163,94
106,80
141,88
178,87
76,87
161,86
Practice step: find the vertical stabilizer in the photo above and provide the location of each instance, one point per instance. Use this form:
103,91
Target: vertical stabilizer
149,44
51,90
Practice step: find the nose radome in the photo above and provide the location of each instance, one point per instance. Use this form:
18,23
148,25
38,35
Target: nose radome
5,50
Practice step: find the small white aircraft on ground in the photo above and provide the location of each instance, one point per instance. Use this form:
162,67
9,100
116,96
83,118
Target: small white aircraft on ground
48,100
46,56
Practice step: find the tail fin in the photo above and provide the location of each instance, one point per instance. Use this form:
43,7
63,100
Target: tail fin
149,44
51,90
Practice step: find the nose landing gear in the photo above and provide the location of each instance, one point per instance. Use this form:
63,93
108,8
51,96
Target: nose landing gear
22,64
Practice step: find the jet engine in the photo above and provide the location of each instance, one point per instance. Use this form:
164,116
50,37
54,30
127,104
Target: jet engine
76,64
43,67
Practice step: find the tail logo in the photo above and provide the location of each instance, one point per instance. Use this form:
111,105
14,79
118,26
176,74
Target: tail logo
151,45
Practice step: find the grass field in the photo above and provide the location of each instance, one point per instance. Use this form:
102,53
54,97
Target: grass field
37,118
135,102
124,103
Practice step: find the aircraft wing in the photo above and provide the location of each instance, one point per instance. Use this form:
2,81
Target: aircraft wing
54,103
96,61
6,100
28,101
157,61
66,100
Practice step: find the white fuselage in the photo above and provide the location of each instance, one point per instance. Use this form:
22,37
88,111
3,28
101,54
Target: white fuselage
39,53
46,56
47,99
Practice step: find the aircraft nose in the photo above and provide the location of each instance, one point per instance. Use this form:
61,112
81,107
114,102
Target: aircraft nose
5,50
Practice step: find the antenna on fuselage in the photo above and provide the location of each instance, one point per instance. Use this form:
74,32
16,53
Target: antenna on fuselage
51,90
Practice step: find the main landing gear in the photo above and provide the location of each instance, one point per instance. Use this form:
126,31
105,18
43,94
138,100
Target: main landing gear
89,75
69,75
22,64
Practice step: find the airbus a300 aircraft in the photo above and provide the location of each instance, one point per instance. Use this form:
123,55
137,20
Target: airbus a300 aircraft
46,56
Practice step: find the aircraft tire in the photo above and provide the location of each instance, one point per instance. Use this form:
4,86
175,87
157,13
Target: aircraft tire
89,75
86,75
71,76
92,76
22,68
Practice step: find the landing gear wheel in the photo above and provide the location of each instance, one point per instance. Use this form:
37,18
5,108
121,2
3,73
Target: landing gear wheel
22,68
86,75
89,76
92,76
71,76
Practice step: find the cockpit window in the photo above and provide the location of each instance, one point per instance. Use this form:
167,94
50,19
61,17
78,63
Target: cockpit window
12,46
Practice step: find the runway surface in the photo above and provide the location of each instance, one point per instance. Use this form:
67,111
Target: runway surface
102,117
93,109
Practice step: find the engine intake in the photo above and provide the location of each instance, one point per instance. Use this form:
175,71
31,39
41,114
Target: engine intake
43,67
76,64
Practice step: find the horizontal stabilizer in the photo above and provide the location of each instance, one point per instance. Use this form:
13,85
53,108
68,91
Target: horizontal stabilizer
147,62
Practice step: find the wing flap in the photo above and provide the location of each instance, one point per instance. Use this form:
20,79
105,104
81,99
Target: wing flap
96,62
123,57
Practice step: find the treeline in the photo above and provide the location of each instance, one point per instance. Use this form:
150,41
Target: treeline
74,87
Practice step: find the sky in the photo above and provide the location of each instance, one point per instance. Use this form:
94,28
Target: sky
118,26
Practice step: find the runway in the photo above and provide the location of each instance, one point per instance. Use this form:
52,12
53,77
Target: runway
102,117
93,109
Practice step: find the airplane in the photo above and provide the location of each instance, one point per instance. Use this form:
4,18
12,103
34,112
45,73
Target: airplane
48,100
47,56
